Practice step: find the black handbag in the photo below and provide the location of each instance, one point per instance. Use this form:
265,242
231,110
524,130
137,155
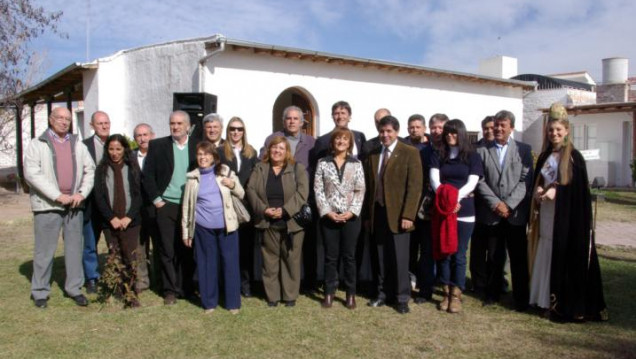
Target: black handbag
304,216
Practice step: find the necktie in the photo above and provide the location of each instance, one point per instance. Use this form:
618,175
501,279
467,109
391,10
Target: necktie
379,193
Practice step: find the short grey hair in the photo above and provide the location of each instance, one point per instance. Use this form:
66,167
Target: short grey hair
212,117
143,124
293,108
182,114
506,115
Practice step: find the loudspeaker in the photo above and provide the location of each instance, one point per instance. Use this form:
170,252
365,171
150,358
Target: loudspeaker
197,105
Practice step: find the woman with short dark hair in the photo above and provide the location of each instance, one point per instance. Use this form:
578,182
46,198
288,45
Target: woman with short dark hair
339,189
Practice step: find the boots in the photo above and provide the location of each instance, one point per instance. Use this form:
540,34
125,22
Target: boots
455,300
328,301
443,306
351,301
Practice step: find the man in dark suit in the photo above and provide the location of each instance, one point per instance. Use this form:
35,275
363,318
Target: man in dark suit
100,122
164,175
143,134
505,193
394,184
341,115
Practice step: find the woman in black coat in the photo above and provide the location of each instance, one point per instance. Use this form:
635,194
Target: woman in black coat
241,157
118,198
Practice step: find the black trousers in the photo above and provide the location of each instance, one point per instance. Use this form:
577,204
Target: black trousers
177,260
149,233
390,260
481,246
340,241
247,239
504,235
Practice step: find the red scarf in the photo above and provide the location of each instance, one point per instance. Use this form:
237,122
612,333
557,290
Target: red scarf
444,222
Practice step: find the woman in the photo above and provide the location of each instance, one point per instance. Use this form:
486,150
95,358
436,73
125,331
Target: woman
339,188
209,220
276,190
118,198
566,277
241,158
457,167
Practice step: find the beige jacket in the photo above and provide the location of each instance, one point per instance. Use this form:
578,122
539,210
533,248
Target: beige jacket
189,202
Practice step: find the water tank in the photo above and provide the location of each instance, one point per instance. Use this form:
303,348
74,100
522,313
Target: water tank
615,70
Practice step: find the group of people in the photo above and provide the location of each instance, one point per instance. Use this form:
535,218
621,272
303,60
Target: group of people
208,204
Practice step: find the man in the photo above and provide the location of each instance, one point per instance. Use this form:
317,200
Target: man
417,132
505,192
300,143
487,130
164,175
419,139
100,122
426,265
394,184
479,243
301,146
374,143
60,172
341,115
143,134
213,129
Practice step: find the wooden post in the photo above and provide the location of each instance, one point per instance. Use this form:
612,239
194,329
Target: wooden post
69,106
32,106
18,144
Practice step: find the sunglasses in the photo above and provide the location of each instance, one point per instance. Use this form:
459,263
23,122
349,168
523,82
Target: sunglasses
239,129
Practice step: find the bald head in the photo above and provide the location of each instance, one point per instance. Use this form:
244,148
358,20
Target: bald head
379,114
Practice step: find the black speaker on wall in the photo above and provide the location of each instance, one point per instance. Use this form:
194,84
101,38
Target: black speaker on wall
197,105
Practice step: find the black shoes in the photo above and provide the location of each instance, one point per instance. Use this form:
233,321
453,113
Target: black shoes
272,304
40,303
91,286
80,300
290,303
170,299
421,300
328,301
376,303
247,293
402,308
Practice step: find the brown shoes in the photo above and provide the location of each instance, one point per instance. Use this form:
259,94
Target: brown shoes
455,305
351,302
443,305
328,301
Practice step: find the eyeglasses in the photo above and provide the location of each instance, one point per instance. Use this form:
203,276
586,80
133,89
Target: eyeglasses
239,129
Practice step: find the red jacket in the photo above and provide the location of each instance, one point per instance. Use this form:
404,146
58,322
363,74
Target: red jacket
444,222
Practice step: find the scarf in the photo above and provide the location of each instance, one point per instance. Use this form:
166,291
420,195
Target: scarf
119,197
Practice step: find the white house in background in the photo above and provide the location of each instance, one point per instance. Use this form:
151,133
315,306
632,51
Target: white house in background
256,81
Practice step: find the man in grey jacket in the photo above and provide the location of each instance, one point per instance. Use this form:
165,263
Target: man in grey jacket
503,208
59,171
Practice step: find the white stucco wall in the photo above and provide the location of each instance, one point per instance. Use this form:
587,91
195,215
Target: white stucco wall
248,85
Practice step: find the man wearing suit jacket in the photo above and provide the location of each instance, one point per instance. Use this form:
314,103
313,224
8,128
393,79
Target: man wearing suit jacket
164,175
394,185
100,122
341,115
505,192
301,144
212,129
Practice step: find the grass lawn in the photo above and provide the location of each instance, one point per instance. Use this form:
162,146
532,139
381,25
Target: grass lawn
306,331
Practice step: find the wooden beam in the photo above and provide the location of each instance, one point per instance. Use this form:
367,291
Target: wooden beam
32,108
69,105
18,143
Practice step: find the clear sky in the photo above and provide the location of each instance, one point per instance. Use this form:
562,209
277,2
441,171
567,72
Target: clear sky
547,36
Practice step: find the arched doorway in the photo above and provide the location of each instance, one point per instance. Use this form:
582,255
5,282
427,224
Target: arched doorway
295,96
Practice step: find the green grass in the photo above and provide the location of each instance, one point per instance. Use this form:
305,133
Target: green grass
306,331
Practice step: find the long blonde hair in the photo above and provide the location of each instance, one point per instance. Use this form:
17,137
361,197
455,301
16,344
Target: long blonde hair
565,150
247,150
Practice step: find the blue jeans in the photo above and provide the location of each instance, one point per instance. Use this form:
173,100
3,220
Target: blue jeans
217,252
453,268
89,254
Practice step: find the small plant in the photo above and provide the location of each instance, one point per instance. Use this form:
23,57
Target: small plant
118,281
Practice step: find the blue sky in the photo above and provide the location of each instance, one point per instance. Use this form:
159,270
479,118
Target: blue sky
547,36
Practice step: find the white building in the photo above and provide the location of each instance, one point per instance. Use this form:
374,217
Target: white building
256,81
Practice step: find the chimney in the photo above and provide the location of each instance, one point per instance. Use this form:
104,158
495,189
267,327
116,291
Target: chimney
503,67
614,87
